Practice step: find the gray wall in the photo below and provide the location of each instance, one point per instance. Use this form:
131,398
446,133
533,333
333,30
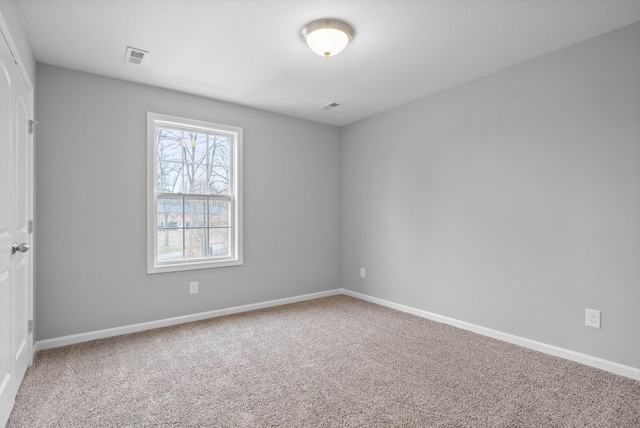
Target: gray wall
511,202
91,207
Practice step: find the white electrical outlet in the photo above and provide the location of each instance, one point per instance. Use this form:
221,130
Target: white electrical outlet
363,273
193,287
592,318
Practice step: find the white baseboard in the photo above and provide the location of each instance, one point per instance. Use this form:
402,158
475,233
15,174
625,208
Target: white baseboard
610,366
134,328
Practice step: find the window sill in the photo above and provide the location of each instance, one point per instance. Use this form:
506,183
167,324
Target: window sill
195,265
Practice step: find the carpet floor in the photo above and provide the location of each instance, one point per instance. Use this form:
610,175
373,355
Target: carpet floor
330,362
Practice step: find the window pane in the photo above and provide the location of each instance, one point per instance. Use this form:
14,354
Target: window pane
218,242
169,213
195,177
219,213
169,177
168,147
195,212
219,180
219,150
195,243
195,147
169,245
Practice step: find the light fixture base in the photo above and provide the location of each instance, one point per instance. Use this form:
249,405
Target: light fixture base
327,36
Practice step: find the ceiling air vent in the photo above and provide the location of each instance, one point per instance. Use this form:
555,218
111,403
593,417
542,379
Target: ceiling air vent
330,106
134,55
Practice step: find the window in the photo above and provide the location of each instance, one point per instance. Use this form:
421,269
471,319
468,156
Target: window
194,200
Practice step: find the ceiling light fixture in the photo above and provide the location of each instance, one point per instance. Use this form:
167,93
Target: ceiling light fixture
327,37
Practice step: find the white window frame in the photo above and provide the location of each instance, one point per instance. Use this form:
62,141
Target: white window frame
235,136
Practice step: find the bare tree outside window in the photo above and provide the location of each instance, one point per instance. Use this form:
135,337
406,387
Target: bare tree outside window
192,171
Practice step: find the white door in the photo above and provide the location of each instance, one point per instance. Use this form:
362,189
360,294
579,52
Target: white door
15,238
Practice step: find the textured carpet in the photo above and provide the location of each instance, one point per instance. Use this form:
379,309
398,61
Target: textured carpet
331,362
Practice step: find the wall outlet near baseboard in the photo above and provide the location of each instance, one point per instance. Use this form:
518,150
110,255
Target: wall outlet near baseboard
193,287
363,273
592,318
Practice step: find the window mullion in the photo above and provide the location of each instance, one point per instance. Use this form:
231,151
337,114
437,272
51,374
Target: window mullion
206,224
220,197
184,232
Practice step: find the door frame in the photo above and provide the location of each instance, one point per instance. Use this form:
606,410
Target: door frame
5,37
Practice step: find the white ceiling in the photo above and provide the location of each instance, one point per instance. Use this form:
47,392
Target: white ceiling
250,52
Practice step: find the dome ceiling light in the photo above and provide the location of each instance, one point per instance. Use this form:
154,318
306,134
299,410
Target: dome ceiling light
327,37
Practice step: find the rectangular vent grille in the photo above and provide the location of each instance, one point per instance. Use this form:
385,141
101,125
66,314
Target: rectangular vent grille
330,106
134,55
